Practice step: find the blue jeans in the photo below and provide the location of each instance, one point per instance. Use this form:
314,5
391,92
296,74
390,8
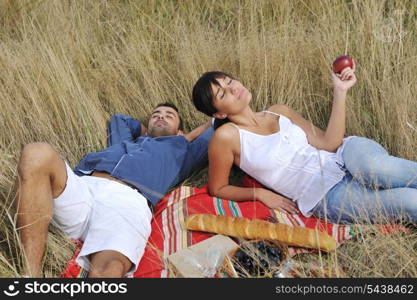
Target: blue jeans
377,187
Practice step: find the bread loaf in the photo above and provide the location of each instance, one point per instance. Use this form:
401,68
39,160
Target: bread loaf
257,229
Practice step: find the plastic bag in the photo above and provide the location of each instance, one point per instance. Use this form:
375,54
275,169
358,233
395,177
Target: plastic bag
208,262
286,270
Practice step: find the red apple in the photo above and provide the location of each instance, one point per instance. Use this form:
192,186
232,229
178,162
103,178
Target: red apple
341,63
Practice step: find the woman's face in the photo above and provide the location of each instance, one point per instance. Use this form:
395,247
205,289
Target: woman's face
231,96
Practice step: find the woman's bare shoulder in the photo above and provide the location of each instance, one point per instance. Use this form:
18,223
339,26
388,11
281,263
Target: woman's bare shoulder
226,137
280,109
226,132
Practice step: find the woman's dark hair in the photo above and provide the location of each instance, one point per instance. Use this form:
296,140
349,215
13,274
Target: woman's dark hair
203,94
169,104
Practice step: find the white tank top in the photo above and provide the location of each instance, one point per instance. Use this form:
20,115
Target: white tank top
286,163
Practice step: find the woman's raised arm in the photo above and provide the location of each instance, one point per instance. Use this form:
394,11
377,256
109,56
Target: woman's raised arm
332,137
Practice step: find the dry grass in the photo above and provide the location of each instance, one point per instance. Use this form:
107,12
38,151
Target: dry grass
66,66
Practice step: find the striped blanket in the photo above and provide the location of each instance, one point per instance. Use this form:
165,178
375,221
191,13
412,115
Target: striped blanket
170,235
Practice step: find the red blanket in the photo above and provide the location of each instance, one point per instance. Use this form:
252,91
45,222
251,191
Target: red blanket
169,234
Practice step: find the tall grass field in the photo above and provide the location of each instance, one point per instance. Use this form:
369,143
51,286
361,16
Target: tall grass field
67,66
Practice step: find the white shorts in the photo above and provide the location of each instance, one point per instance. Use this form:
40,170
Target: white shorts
105,215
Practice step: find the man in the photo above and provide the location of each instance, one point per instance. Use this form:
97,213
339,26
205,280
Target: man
109,210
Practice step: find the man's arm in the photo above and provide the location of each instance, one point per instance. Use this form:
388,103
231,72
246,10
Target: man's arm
197,131
123,128
197,151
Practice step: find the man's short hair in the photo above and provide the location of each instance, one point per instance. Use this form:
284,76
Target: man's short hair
174,107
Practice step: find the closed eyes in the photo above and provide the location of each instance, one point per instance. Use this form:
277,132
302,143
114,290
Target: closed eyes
167,116
221,97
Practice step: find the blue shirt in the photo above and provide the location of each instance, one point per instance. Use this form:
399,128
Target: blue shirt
152,165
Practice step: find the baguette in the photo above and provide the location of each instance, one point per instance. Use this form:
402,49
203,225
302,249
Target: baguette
257,229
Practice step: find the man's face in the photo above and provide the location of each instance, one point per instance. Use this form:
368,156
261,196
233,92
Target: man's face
164,121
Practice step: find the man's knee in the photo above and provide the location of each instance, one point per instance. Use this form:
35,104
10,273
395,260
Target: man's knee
35,158
113,268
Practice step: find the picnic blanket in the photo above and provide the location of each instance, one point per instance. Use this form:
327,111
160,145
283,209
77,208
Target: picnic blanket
169,233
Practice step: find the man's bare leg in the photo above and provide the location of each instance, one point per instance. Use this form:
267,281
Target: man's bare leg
108,264
42,177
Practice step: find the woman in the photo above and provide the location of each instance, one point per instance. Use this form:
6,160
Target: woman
304,168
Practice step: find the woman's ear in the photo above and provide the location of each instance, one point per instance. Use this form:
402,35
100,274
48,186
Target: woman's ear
218,115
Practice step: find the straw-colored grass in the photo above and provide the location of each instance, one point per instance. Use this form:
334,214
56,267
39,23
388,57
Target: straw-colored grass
66,66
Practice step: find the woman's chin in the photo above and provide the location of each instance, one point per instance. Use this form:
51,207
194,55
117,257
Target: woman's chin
249,97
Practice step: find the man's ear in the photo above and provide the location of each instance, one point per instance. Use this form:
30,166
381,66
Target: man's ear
220,115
